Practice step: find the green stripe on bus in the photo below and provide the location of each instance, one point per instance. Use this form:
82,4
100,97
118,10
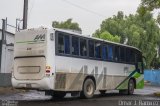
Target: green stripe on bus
134,74
30,42
140,84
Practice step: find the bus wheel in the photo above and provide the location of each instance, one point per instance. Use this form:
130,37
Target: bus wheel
88,89
57,94
131,87
102,92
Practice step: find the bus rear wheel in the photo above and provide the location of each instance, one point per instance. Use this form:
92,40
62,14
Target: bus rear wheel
88,89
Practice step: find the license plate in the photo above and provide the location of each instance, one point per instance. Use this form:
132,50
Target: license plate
28,86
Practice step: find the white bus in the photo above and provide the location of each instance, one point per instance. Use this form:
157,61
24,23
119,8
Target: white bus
59,62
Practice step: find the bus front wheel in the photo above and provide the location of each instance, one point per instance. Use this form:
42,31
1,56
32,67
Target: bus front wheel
88,89
131,87
130,90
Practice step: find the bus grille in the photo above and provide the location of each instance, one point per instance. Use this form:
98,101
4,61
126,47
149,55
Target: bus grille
60,81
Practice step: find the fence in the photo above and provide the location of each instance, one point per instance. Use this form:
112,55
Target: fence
153,76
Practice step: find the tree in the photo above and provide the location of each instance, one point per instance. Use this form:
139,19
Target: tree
68,24
142,31
150,4
107,36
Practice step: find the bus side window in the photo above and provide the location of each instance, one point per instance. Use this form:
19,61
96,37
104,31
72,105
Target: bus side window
122,54
60,43
75,45
116,56
105,52
132,56
67,44
98,50
63,44
83,47
110,52
91,48
128,52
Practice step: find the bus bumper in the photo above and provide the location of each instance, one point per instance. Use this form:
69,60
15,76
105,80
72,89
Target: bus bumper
42,84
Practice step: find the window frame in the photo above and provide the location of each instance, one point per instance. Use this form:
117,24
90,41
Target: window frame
103,44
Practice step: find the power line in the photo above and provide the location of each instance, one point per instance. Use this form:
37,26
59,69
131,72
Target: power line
85,9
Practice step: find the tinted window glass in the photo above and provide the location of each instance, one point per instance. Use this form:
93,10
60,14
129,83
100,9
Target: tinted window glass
63,44
138,57
105,52
67,44
122,54
98,49
110,52
75,45
128,52
116,56
91,48
83,47
60,43
132,56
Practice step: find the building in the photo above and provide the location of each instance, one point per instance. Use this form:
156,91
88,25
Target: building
6,58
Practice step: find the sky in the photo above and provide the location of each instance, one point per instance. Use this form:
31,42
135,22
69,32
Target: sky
88,13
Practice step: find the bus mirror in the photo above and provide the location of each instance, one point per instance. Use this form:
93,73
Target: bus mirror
51,36
144,61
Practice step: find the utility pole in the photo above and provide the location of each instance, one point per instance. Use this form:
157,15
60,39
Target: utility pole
25,14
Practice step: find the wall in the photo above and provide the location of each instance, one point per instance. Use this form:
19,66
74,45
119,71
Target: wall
6,60
153,76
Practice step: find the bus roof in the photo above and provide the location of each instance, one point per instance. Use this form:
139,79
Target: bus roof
94,38
77,34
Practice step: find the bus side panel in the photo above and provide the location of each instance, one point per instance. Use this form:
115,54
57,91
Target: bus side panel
71,72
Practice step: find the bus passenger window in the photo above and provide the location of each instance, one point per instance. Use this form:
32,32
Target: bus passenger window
132,56
83,47
98,50
60,44
104,53
75,45
63,44
110,52
128,52
67,44
91,48
116,57
122,54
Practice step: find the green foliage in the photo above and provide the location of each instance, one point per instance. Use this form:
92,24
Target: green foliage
150,4
107,36
68,24
142,31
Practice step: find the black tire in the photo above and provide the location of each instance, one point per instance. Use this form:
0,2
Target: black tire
131,86
58,94
88,89
102,92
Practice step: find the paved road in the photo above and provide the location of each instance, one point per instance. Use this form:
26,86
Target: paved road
143,97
